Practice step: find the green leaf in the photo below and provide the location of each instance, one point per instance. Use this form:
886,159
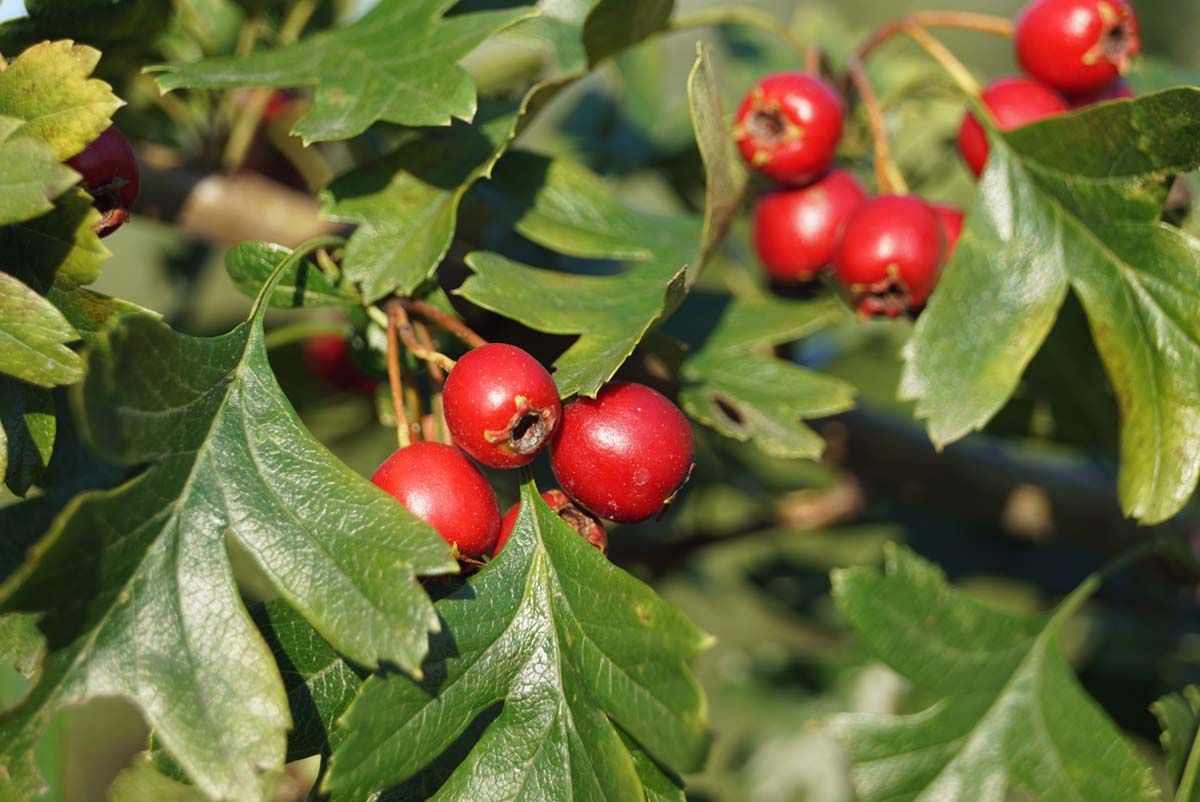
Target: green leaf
1073,202
96,21
49,88
27,427
610,314
613,26
734,384
406,204
90,312
57,248
570,647
154,614
1012,720
143,782
33,338
1179,716
251,265
562,205
397,64
21,645
320,685
30,178
727,178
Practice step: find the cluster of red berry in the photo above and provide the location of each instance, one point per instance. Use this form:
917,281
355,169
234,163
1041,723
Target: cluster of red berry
622,455
887,252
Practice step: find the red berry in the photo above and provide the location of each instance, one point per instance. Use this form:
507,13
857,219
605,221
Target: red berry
796,230
624,454
1077,46
111,177
789,126
579,519
443,488
501,405
1117,90
890,256
1014,102
328,358
952,219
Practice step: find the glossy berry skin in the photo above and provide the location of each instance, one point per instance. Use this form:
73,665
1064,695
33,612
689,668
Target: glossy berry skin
1014,102
952,219
110,175
796,230
501,405
890,256
1117,90
624,454
328,359
1077,46
789,126
443,488
579,519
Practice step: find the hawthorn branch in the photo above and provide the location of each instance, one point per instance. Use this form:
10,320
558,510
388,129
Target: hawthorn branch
446,321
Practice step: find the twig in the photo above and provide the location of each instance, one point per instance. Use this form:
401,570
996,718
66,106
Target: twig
396,386
962,20
398,313
814,57
949,62
887,174
448,322
437,418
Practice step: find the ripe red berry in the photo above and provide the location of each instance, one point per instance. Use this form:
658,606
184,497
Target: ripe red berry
1077,46
111,177
796,230
891,254
439,485
1014,102
1117,90
328,359
952,219
789,126
624,454
501,405
579,519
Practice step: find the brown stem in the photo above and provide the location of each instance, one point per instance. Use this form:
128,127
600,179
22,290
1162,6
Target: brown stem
814,56
949,62
448,322
396,385
962,20
887,174
397,311
437,418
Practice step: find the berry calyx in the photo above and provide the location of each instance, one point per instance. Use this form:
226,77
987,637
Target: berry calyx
110,175
796,230
952,219
439,485
579,519
890,256
1077,46
501,405
329,359
1013,102
788,127
624,454
1117,90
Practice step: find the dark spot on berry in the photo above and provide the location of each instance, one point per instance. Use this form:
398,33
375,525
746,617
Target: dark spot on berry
529,433
766,125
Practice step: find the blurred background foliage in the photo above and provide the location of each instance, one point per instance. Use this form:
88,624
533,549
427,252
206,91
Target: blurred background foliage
1018,515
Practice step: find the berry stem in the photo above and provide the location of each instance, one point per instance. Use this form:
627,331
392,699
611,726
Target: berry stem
814,56
398,312
948,61
328,265
887,174
448,322
961,20
739,15
437,418
404,429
